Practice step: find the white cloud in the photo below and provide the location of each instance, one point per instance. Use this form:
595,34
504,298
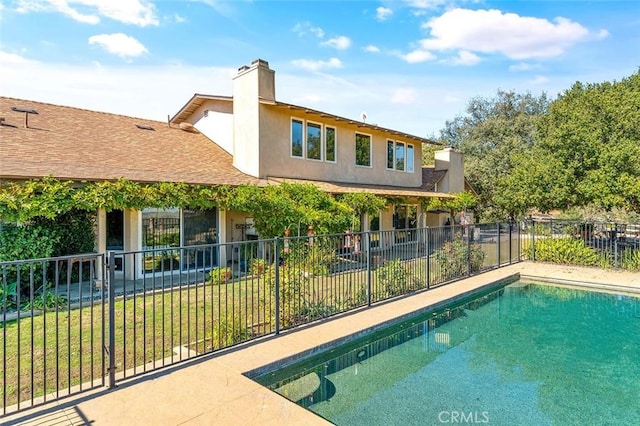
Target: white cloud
492,31
12,58
135,12
404,96
466,58
418,56
179,19
602,34
523,66
371,49
311,65
383,13
539,79
425,4
304,28
119,44
340,42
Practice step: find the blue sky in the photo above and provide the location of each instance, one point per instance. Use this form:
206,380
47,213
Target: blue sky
410,65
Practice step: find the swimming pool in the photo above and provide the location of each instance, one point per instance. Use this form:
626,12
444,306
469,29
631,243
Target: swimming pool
524,354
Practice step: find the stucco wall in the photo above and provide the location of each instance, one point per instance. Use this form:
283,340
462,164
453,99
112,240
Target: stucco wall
217,125
276,159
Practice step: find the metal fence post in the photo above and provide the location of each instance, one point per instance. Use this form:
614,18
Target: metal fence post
111,265
499,245
533,241
466,229
427,243
276,244
369,265
615,253
510,243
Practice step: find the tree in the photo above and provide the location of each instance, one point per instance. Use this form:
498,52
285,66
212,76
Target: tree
491,134
588,153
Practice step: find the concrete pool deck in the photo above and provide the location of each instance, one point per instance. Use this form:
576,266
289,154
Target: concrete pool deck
213,390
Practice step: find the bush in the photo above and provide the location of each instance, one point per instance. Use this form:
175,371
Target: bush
569,251
455,262
630,260
394,278
220,275
258,266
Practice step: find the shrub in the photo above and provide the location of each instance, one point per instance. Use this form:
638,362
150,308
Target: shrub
630,259
258,266
455,260
220,275
393,277
570,251
46,302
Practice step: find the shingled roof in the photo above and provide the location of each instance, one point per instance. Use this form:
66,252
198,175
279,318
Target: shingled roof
78,144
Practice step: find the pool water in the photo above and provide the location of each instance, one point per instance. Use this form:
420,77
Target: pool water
522,355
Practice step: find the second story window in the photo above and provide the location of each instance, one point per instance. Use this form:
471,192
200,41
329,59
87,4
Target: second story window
330,143
296,138
399,156
314,141
363,150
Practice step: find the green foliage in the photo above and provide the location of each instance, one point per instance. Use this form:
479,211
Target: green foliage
228,331
293,293
220,275
587,152
570,251
394,278
275,207
455,260
630,259
29,241
490,134
258,266
48,301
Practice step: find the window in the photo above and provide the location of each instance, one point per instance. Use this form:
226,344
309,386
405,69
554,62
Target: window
363,150
405,220
400,156
330,144
296,138
308,141
314,145
164,230
410,158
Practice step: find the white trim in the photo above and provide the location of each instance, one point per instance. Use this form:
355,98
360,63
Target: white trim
406,150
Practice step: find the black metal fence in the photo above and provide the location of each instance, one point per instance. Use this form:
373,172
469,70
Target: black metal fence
72,323
600,244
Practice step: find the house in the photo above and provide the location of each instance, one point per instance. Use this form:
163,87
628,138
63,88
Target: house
249,138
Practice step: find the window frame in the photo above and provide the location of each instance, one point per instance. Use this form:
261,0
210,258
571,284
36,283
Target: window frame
302,135
370,165
306,141
335,144
408,168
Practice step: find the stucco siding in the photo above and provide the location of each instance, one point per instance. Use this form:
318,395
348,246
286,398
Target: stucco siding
276,158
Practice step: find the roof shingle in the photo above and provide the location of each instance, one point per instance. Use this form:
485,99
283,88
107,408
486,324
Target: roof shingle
78,144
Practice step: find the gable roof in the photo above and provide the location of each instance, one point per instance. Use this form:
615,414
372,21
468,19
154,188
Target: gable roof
430,177
198,99
78,144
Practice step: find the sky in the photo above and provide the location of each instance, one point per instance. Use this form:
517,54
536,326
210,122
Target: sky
408,65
